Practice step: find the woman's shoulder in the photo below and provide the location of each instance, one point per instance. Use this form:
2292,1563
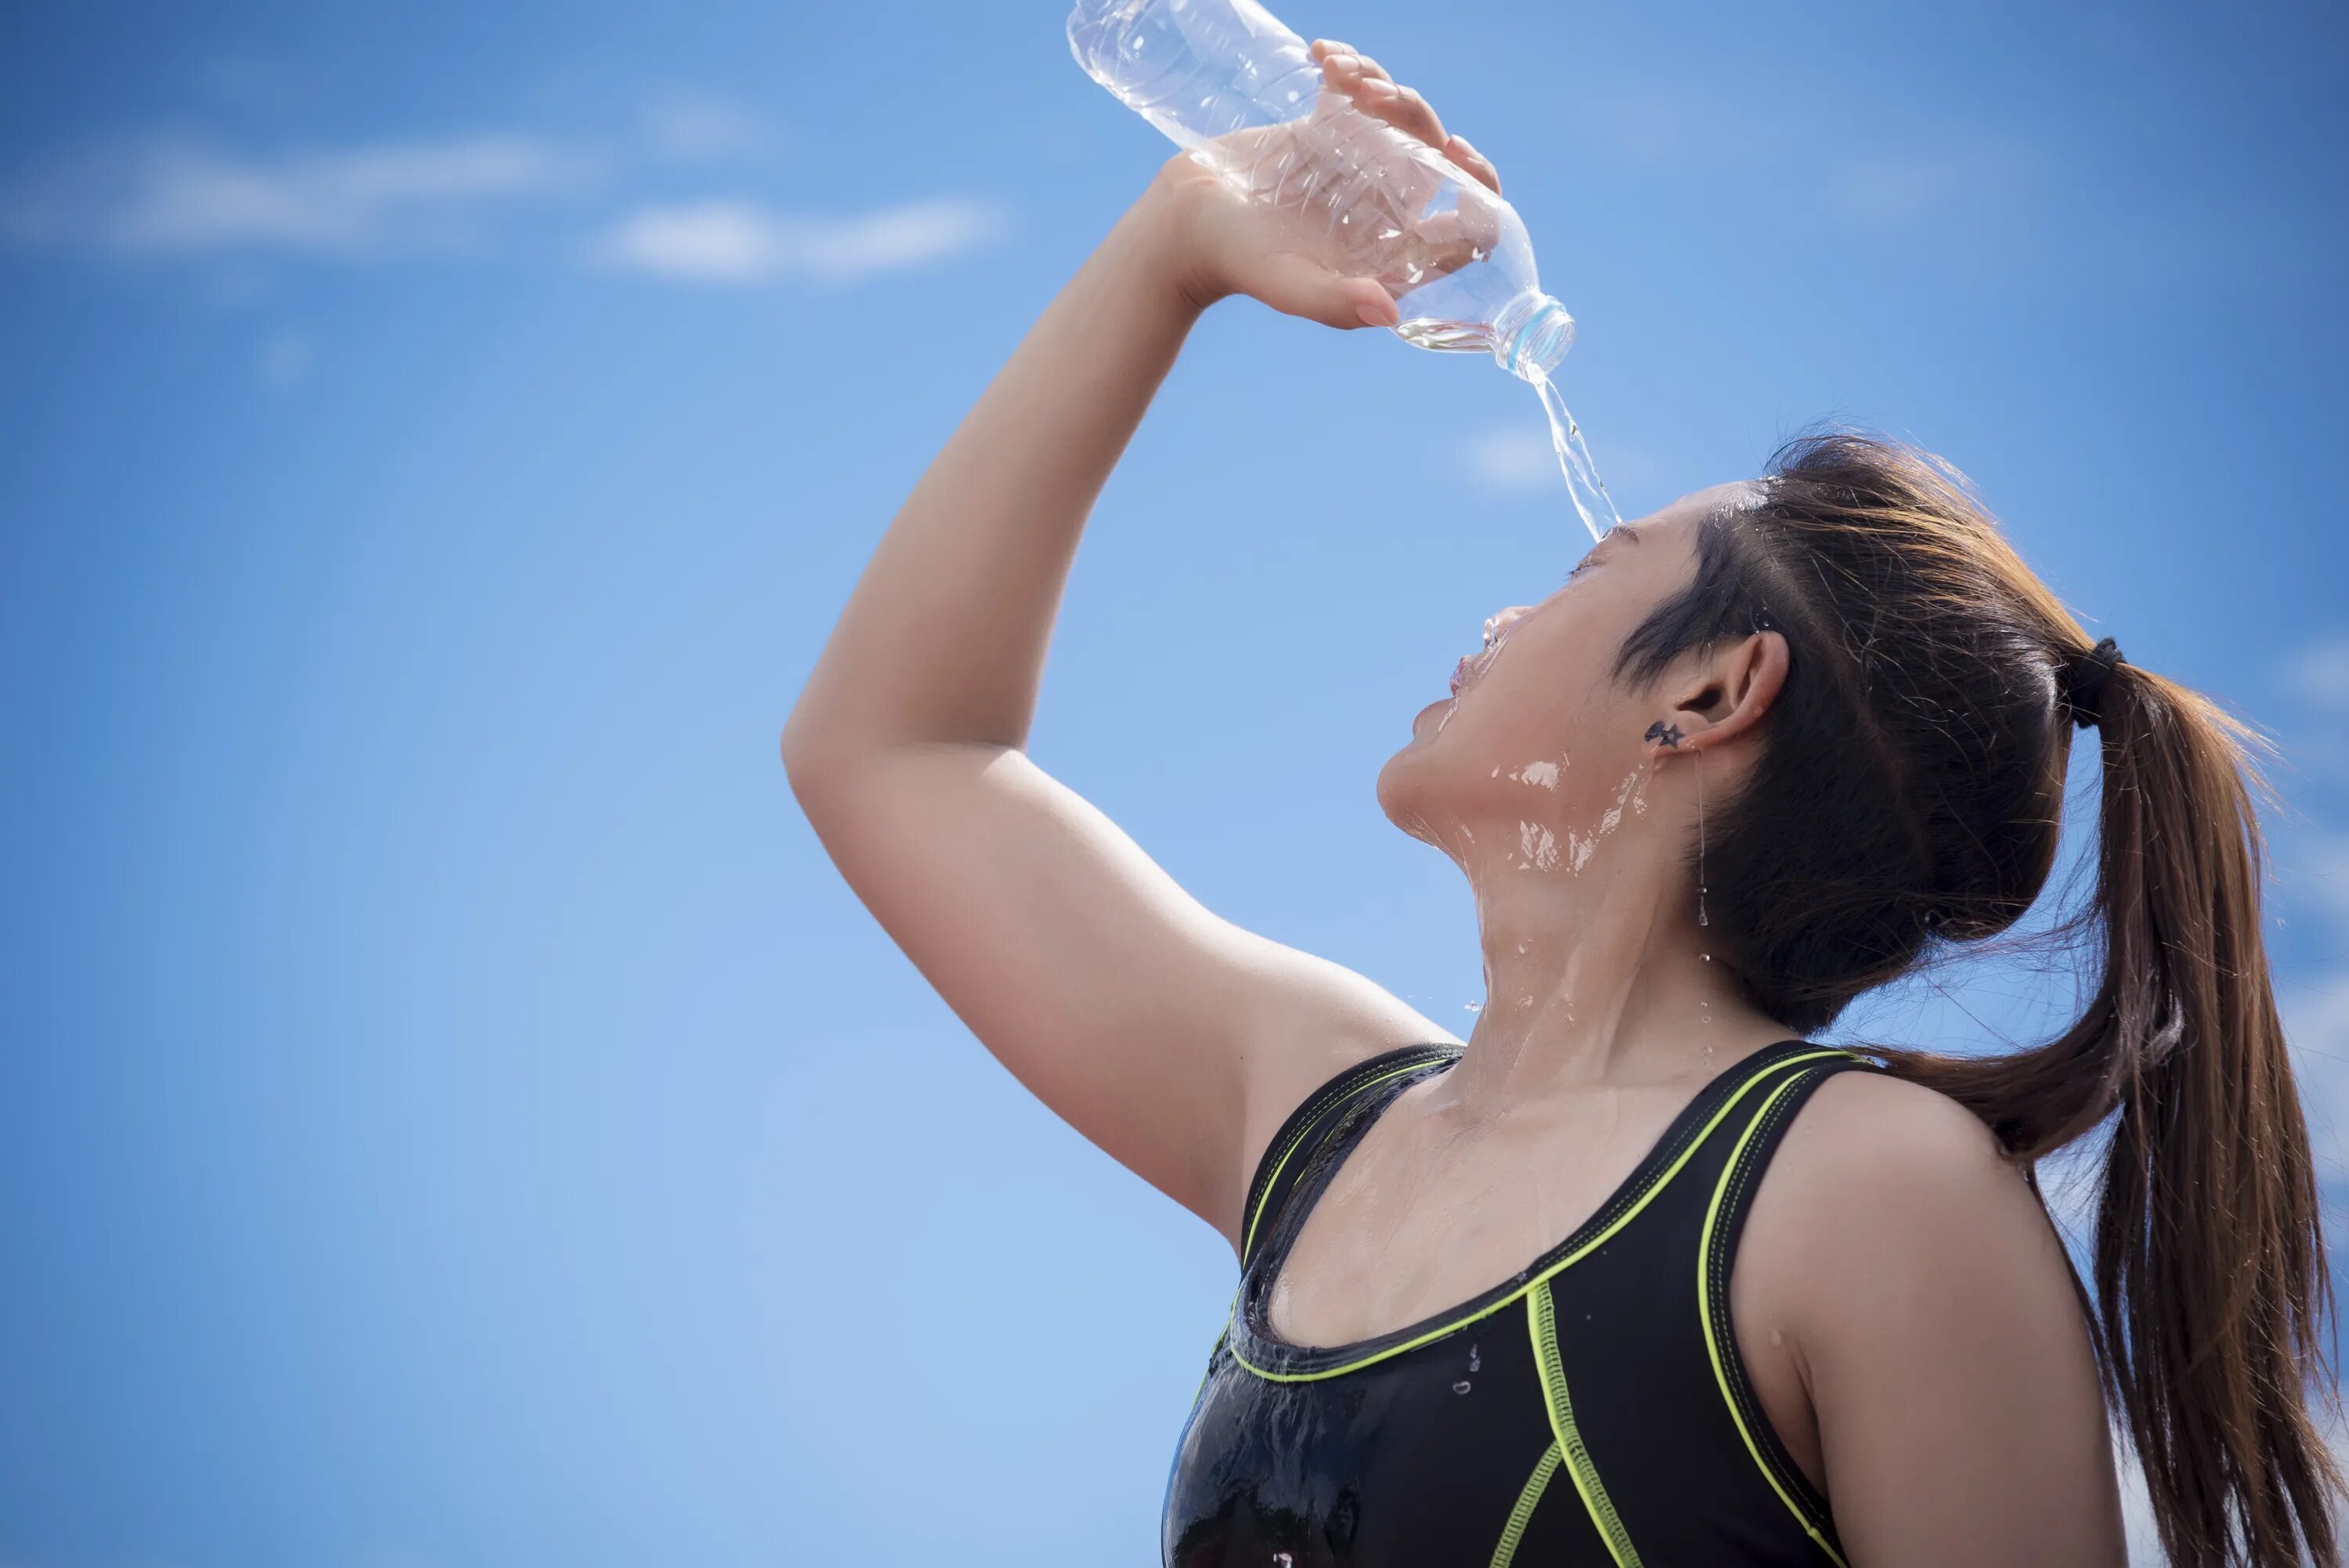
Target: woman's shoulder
1888,1195
1940,1327
1879,1156
1891,1130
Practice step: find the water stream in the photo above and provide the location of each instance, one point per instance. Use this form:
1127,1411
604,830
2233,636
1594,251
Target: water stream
1591,502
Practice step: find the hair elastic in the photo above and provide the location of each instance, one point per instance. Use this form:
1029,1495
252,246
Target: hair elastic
2083,680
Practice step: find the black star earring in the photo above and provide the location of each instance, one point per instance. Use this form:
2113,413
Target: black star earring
1670,733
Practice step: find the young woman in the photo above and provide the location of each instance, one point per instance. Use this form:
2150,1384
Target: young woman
1762,751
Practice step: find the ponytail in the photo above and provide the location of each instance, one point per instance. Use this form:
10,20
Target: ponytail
1909,800
2212,1295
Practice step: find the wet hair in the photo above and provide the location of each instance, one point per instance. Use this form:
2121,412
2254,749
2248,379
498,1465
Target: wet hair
1907,795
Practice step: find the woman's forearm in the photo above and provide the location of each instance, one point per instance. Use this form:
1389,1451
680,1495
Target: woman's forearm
944,637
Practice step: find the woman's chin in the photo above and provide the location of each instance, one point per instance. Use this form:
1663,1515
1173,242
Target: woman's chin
1404,785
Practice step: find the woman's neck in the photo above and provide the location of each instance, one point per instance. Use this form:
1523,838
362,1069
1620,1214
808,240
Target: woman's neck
1596,976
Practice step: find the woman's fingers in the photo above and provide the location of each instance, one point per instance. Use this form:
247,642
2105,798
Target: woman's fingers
1475,162
1348,60
1367,84
1299,285
1402,108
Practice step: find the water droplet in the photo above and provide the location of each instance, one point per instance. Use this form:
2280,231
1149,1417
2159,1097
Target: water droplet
1473,1364
1473,1006
1461,1386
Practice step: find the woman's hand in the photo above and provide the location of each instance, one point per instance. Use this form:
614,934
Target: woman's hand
1221,242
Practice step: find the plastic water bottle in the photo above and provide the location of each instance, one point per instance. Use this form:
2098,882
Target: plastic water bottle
1228,82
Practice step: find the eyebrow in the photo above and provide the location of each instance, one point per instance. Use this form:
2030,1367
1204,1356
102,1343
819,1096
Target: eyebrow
1629,530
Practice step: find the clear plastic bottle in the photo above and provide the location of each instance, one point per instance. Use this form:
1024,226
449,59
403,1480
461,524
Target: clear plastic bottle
1229,83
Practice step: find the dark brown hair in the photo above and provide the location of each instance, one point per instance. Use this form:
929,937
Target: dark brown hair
1909,795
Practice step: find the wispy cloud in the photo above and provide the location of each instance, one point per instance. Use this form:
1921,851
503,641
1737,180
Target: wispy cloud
2313,873
2137,1507
1519,460
2319,674
180,196
2316,1023
694,126
285,357
740,241
1512,461
1987,179
194,197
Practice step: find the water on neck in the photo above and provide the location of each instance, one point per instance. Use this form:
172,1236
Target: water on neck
1589,491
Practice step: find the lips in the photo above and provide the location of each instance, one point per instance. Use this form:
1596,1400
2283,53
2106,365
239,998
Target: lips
1466,672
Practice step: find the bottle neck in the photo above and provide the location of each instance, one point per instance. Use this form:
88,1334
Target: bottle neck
1531,334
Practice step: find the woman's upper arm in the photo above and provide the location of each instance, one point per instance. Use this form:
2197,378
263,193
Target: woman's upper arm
1170,1038
1960,1419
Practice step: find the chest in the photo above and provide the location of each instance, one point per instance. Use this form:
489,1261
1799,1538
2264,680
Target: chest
1554,1380
1414,1214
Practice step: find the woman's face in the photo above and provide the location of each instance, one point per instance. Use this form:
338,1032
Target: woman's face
1539,741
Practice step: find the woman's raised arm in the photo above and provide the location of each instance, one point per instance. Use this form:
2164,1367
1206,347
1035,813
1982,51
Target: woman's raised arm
1172,1038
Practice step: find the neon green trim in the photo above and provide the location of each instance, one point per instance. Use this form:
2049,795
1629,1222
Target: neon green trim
1713,1346
1304,1126
1522,1515
1578,1253
1543,1325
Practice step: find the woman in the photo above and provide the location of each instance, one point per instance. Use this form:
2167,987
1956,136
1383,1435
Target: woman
1758,753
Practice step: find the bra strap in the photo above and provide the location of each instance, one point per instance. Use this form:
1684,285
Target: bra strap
1311,1125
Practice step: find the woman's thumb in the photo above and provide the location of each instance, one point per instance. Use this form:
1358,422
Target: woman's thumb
1299,286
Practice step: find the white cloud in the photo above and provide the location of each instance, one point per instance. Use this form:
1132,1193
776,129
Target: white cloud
2319,674
737,241
1951,187
691,126
2137,1507
2313,871
1519,460
182,196
1513,461
285,358
2316,1024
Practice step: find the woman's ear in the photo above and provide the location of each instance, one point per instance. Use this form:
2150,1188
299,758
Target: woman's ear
1728,695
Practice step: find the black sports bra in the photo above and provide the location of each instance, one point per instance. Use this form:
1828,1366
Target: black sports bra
1590,1410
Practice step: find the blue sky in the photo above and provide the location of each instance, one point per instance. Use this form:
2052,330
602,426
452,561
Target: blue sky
453,1114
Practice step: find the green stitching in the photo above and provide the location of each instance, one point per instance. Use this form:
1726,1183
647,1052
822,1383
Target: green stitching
1522,1515
1579,1253
1704,1312
1543,1325
1338,1096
